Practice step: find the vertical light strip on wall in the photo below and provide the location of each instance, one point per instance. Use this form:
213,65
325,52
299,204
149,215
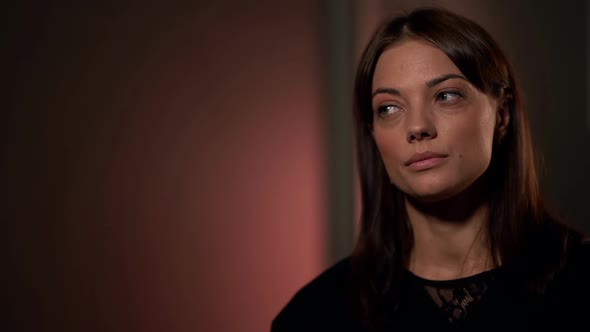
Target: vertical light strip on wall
338,42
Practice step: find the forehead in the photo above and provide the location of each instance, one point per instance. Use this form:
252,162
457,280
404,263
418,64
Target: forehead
410,62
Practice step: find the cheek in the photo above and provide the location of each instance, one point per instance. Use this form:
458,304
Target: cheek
476,137
487,127
389,146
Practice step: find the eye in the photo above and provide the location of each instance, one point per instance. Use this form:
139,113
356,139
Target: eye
449,96
387,110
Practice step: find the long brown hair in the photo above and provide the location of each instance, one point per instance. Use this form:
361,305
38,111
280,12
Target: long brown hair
521,233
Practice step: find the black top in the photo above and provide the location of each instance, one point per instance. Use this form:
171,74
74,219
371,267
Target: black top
489,301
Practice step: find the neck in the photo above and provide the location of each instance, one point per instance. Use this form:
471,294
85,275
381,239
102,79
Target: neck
450,237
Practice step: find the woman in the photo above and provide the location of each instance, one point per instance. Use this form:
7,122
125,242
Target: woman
454,234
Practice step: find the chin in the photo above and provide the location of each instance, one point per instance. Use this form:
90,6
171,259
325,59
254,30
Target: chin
431,197
433,187
434,192
437,192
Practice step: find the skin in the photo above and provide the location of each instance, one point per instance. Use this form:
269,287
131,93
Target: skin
422,102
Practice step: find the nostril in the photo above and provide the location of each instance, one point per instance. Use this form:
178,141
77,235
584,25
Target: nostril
418,136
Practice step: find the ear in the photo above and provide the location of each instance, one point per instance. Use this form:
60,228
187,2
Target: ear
503,117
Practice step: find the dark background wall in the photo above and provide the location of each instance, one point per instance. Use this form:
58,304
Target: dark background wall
162,164
172,168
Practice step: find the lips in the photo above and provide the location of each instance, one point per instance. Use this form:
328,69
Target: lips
420,158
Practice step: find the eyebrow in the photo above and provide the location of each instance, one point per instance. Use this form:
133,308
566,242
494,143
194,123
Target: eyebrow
443,78
387,91
430,84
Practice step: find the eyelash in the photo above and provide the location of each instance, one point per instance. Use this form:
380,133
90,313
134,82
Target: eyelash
382,110
456,93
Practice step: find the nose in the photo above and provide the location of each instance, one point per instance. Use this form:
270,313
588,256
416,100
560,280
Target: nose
420,125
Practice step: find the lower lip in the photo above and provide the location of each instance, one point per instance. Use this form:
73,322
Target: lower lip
426,164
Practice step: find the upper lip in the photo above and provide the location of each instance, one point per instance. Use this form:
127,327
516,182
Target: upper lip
416,157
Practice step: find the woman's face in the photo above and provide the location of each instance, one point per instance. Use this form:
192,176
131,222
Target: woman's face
434,129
